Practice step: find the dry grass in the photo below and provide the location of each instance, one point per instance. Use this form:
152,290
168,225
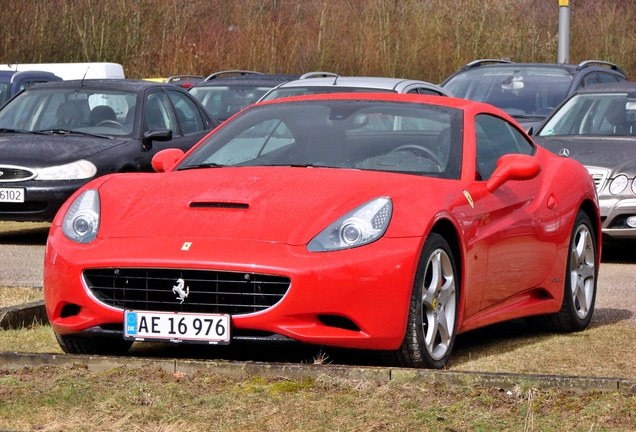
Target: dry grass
12,296
54,399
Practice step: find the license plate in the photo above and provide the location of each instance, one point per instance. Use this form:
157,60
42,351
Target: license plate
177,327
13,195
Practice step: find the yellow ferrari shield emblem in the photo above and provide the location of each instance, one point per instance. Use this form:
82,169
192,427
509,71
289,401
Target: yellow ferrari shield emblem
469,198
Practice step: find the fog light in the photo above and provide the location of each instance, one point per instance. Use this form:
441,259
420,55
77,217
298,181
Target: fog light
631,221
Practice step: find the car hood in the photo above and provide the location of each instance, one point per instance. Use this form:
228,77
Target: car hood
31,150
605,152
282,205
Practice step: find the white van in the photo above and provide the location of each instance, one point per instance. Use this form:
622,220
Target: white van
70,71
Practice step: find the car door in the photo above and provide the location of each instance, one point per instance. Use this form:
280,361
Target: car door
160,113
514,217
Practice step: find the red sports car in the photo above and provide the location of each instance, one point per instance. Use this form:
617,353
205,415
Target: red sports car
370,221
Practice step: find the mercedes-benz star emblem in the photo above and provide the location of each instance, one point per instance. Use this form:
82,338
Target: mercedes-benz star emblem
564,152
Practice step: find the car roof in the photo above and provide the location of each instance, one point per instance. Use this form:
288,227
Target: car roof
121,84
374,96
619,87
241,77
573,69
385,83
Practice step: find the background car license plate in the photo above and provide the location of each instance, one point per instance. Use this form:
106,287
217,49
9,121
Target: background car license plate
177,327
15,195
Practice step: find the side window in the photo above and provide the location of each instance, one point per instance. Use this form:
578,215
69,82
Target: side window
607,78
187,113
590,79
425,91
158,113
496,137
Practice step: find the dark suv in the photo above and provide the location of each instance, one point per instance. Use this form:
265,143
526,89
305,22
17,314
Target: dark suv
528,91
226,93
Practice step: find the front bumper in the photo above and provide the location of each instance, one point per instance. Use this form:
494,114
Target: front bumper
369,286
614,214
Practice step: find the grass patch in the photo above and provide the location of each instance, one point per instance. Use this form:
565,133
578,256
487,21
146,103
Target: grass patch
52,399
13,296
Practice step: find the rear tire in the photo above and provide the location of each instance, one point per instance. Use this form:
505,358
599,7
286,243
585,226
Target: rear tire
432,322
579,292
93,345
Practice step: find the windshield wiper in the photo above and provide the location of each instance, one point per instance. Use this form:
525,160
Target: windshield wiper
8,130
203,165
69,132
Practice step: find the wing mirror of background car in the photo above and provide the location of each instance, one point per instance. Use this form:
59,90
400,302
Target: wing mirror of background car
166,159
513,167
155,135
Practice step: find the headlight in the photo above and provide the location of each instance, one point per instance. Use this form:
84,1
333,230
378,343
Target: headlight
634,185
81,169
81,221
618,185
360,226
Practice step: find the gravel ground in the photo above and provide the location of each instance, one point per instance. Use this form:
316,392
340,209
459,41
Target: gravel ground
22,255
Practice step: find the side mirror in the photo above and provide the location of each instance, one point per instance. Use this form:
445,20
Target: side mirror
166,159
513,167
155,135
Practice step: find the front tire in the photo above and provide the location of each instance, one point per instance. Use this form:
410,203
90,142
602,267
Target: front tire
432,322
93,345
579,292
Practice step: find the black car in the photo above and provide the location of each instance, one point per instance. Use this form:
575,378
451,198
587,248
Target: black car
226,93
55,137
528,91
597,127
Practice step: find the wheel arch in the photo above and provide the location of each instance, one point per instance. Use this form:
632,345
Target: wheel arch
592,212
446,229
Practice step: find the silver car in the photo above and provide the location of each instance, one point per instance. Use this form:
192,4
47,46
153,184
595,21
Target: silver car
597,127
327,82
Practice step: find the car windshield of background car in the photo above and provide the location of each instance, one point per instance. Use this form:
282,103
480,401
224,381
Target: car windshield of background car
519,91
225,101
298,91
593,114
87,111
365,135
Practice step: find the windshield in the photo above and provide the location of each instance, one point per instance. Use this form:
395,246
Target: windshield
594,114
225,101
366,135
299,91
517,90
82,110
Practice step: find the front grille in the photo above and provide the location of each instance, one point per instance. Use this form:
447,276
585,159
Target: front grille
208,291
600,177
14,173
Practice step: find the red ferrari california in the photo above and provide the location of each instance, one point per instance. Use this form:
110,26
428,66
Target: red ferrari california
372,221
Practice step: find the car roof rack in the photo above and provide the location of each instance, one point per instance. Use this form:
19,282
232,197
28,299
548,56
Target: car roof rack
477,63
588,63
318,75
232,72
183,77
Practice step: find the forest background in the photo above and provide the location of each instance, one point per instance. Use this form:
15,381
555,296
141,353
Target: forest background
417,39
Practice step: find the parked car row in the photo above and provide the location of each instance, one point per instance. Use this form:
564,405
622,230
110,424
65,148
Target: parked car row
368,213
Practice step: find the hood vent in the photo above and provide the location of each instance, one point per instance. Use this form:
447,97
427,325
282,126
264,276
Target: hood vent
215,204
